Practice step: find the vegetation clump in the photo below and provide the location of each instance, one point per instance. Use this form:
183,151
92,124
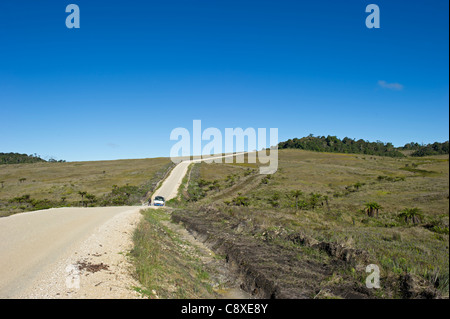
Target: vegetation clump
348,145
16,158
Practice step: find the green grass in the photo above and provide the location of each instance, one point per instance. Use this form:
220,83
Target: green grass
166,265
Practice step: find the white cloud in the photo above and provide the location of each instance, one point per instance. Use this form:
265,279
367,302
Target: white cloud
113,145
390,86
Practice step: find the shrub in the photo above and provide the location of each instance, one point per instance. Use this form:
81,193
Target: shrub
241,201
274,200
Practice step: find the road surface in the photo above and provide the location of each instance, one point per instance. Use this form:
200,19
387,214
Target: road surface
33,243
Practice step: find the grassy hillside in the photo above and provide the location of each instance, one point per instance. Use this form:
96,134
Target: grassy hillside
322,200
50,184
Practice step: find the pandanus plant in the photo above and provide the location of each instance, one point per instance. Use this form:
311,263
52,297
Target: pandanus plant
296,194
371,208
413,215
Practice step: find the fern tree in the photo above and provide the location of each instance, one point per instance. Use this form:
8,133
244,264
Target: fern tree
82,194
372,208
296,194
413,215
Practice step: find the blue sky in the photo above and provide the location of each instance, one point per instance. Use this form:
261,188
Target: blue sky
135,70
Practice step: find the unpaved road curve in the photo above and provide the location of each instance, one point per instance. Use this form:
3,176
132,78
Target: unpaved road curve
169,188
36,245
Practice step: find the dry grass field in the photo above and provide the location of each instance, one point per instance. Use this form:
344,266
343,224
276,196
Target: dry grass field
306,231
325,197
61,182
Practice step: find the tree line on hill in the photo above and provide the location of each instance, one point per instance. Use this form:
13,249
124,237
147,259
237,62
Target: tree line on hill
333,144
16,158
435,148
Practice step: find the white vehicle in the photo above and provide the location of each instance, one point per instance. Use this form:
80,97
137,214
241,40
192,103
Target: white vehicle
159,201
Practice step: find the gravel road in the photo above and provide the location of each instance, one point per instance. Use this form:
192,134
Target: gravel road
68,253
169,188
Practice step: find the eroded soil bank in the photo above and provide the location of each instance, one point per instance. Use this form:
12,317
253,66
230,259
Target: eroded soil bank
278,265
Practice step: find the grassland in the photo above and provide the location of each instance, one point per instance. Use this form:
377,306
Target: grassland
306,231
59,184
170,264
322,198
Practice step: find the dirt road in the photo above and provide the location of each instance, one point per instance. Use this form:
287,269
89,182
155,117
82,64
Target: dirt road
39,250
169,188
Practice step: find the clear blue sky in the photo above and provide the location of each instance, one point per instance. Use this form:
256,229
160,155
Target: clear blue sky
135,70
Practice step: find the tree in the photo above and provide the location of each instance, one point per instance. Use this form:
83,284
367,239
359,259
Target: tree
91,198
432,149
347,145
413,215
82,194
326,201
296,194
16,158
358,185
314,199
371,208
